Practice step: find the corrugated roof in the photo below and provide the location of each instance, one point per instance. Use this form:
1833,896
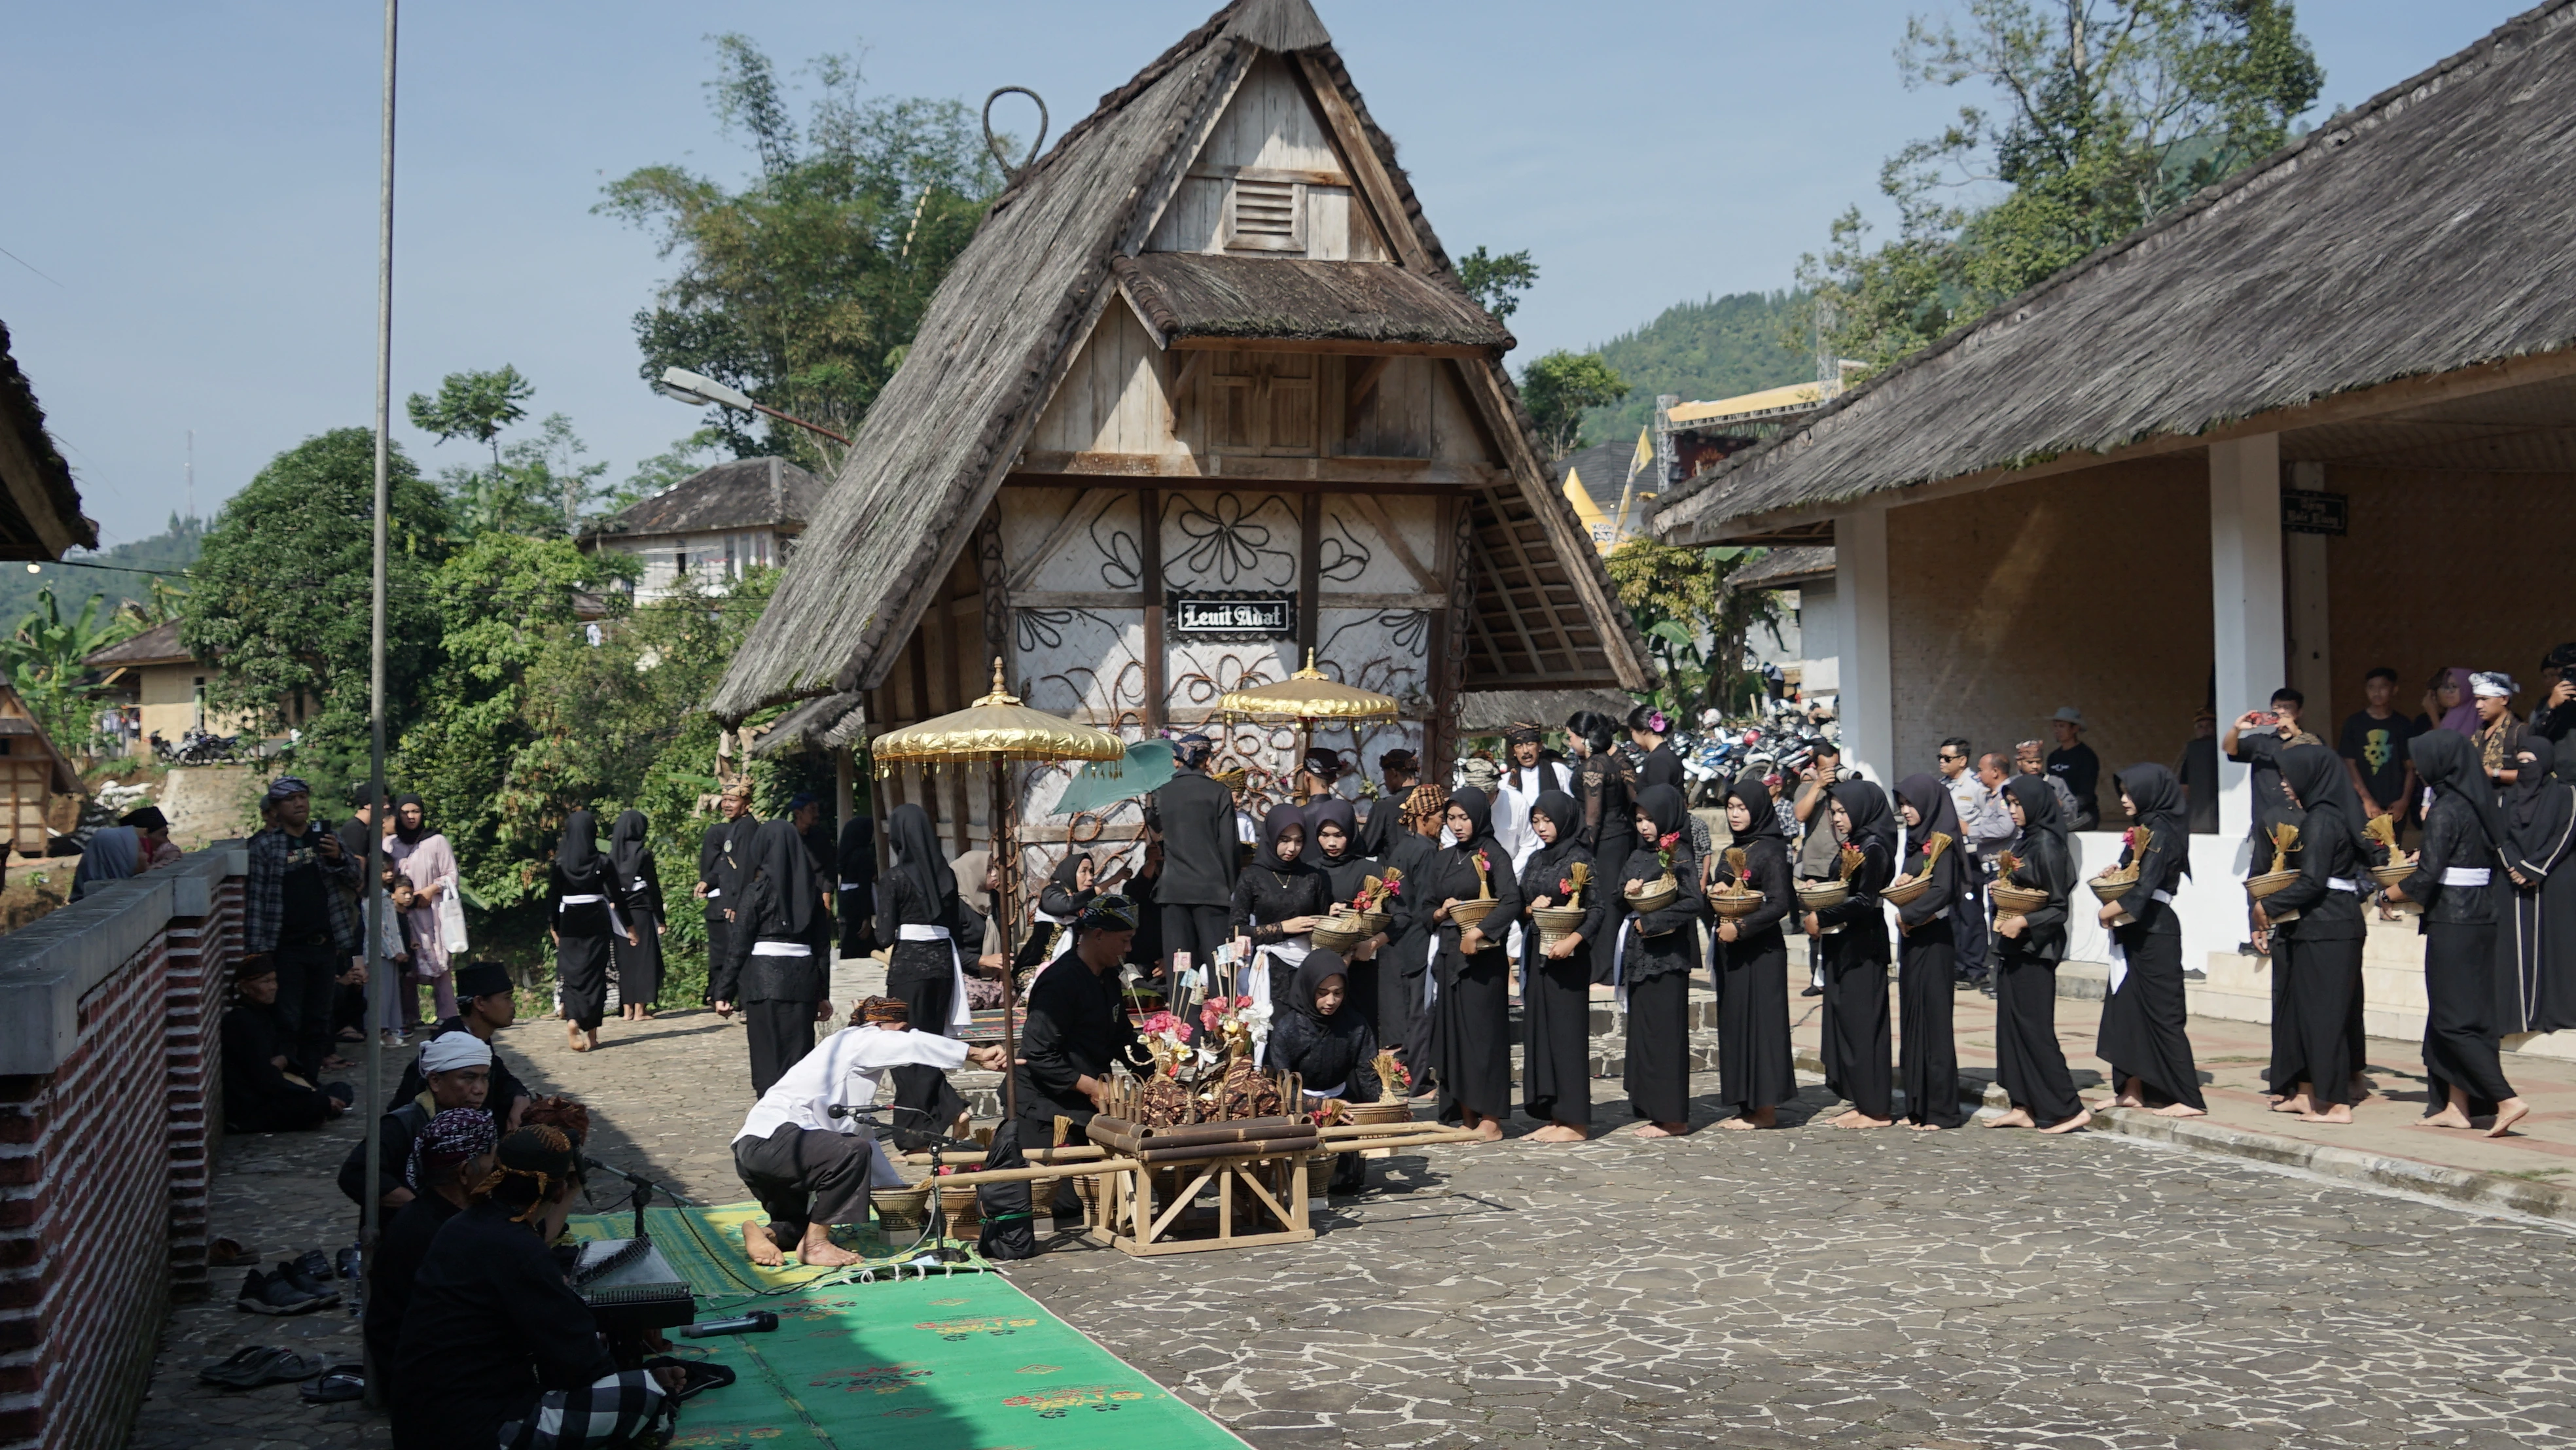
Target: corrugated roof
734,494
1769,402
158,645
2423,233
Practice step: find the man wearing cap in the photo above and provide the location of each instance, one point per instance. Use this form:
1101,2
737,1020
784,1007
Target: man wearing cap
1194,816
486,1005
458,1071
723,852
1077,1027
811,1166
2074,763
296,916
262,1094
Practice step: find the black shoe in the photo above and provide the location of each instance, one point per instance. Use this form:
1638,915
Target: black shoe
1813,992
299,1275
266,1294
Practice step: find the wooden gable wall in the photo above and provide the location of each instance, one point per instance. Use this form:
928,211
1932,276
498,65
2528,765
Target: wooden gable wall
1272,138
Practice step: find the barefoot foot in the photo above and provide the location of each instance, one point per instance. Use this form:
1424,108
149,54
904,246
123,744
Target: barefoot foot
572,1037
819,1252
2082,1117
2013,1118
1925,1127
2450,1117
2184,1110
2508,1113
1557,1133
1858,1119
2334,1113
1489,1131
762,1248
2299,1103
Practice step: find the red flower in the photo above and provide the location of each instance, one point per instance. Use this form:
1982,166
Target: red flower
1565,884
1669,842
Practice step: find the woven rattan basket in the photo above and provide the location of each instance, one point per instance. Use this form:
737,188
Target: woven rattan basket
1817,895
1396,1111
901,1210
1555,922
2107,889
1473,911
1735,903
2017,900
1904,889
1341,933
1658,894
964,1214
1373,921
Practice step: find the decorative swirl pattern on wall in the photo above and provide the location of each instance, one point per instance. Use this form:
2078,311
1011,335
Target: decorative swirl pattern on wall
1340,556
1228,545
1122,561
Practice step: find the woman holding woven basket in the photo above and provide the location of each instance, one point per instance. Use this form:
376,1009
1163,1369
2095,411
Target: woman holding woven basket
2142,1033
1926,956
2030,930
1756,1072
2454,882
1472,995
1851,935
1564,916
2317,950
1652,957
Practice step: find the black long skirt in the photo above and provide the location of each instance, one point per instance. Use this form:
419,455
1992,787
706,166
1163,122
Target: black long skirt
1859,1055
1556,1037
1472,1038
923,974
1755,1069
2028,1061
1658,1075
2143,1032
1927,1049
639,963
2323,981
581,966
2459,1002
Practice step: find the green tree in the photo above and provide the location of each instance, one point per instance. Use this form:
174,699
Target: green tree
803,287
1558,387
282,591
1694,623
473,405
1497,282
2112,113
43,657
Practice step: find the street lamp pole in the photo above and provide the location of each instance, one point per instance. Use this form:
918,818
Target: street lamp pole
378,989
689,387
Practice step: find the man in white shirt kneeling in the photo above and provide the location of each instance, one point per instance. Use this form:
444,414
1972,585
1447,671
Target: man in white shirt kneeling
811,1169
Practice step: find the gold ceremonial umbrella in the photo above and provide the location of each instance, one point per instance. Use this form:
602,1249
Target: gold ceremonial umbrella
999,729
1306,697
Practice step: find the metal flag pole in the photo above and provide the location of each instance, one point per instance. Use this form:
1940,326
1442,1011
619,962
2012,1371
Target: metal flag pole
378,989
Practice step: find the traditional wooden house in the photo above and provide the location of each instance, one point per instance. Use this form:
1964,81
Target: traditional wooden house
38,786
40,513
709,527
1203,394
2320,419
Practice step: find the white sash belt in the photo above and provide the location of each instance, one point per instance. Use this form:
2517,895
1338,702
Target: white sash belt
2339,884
1336,1090
2164,896
591,900
2464,875
960,1016
850,885
781,949
714,891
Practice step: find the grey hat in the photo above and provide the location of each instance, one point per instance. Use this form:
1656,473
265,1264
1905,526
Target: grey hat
2070,715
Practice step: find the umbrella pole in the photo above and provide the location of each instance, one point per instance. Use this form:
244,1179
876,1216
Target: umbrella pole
1008,831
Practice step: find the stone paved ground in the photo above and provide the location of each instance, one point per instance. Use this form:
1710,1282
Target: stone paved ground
1808,1287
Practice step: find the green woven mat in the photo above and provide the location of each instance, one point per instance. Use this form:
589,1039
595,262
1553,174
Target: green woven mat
957,1361
705,1245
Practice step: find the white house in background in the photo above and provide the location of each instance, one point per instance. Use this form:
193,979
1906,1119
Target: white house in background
713,524
1808,645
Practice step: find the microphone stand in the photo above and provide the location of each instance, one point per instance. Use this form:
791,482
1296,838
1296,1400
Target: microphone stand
644,1189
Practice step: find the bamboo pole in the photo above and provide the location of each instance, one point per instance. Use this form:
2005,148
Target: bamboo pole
1030,1175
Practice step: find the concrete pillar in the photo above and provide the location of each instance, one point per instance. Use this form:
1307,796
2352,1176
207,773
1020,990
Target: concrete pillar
1867,698
2245,582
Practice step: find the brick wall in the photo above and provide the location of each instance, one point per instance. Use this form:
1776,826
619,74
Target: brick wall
108,1069
2090,590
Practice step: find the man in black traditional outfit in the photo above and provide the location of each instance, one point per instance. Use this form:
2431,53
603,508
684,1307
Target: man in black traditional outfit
1398,773
775,969
261,1093
1194,815
485,1005
723,853
458,1069
1076,1028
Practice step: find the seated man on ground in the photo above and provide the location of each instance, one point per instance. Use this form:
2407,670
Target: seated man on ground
810,1169
459,1070
262,1091
496,1348
449,1157
154,827
1077,1027
485,1004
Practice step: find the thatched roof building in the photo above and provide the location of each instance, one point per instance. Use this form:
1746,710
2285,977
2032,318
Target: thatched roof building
2319,420
1132,221
40,513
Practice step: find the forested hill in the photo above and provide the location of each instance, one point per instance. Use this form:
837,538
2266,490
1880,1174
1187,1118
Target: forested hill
1714,348
172,550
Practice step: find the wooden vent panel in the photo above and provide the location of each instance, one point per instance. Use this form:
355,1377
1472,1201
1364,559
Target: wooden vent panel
1265,216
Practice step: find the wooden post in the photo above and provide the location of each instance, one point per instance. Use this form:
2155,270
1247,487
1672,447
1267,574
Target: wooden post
1149,541
1007,836
1310,572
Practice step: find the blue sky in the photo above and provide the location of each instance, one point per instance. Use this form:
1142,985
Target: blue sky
196,182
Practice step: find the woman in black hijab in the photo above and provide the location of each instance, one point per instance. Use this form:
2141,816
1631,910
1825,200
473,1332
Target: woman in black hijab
1927,959
1333,833
918,899
1556,981
1324,1040
638,891
578,891
1607,790
2453,880
1068,889
1405,1020
1756,1072
2316,954
2143,1036
1471,987
2538,926
1652,958
857,888
1278,900
1852,938
774,968
2028,1062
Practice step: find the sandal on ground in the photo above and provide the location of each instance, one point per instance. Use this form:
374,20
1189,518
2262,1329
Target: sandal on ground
229,1254
258,1365
703,1375
340,1383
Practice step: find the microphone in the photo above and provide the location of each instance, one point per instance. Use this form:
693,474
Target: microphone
758,1321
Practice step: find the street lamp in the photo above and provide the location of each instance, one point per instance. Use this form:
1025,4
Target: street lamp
688,387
